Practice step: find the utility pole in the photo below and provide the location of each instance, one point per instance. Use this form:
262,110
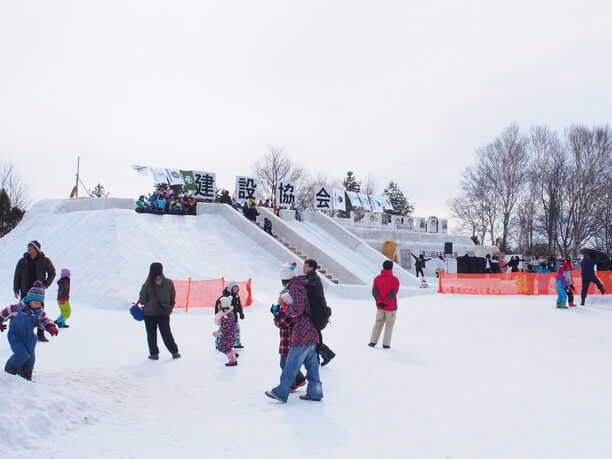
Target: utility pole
77,176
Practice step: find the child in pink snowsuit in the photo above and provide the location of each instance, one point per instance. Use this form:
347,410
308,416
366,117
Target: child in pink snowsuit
227,321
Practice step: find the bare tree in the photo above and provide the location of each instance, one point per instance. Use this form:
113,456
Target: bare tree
276,167
305,195
502,166
590,154
12,183
370,186
547,172
469,217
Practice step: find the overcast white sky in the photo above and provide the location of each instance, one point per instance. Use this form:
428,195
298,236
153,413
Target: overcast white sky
401,90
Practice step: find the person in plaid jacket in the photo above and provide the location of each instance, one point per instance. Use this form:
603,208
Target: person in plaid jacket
25,316
284,322
303,341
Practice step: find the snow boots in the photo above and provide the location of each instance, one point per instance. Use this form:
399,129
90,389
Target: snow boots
154,357
27,375
561,306
9,369
326,353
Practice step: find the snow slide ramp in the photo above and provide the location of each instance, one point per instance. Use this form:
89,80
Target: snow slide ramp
109,251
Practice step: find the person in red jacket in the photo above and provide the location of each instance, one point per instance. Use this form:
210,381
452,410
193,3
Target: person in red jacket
385,290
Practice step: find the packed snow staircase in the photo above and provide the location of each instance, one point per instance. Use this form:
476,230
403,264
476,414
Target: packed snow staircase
320,269
344,256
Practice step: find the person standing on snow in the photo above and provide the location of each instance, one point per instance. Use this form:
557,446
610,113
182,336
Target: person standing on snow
588,275
157,295
24,316
304,339
33,266
385,290
420,264
316,296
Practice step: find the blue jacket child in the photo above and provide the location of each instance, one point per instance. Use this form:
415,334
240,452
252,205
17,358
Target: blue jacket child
25,316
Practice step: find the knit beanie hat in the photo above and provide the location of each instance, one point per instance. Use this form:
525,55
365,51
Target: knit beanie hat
288,271
65,272
36,293
226,303
232,284
35,244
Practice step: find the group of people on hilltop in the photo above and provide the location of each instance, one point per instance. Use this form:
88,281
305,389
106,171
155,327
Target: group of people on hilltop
164,202
34,274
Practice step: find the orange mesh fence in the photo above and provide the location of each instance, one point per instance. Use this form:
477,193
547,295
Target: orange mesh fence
203,294
514,283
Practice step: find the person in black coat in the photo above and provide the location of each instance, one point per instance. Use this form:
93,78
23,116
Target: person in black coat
514,263
33,266
588,275
316,296
251,212
420,264
226,198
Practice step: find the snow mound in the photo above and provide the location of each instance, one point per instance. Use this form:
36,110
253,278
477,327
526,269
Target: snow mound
34,412
109,251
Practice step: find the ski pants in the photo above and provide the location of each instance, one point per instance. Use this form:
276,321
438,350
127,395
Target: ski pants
23,343
65,311
561,293
586,281
419,270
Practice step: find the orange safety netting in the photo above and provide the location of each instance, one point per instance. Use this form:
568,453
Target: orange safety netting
519,283
203,294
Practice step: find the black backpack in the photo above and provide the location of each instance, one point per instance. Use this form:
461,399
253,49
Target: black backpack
319,311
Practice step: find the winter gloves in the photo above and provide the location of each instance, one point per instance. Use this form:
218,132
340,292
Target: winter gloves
62,301
275,309
216,333
242,316
2,327
53,330
381,305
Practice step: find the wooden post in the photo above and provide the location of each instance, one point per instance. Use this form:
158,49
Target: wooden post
188,294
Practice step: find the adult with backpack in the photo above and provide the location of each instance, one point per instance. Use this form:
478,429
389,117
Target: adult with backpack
385,290
318,307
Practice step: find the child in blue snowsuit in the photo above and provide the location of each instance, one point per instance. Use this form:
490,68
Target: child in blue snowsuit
561,289
25,316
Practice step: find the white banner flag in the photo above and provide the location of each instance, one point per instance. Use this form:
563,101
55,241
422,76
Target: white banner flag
142,170
205,183
159,175
175,177
377,205
365,202
285,194
354,198
246,188
323,198
339,200
386,202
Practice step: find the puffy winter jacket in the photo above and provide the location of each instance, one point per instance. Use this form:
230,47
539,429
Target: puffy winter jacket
385,290
45,272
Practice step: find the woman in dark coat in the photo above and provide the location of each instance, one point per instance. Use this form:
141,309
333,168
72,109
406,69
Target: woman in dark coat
157,295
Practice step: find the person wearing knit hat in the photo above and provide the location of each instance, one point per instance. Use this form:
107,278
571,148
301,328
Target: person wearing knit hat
303,341
33,266
63,298
25,316
232,291
227,333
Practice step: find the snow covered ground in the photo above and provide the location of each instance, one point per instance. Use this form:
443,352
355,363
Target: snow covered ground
467,376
